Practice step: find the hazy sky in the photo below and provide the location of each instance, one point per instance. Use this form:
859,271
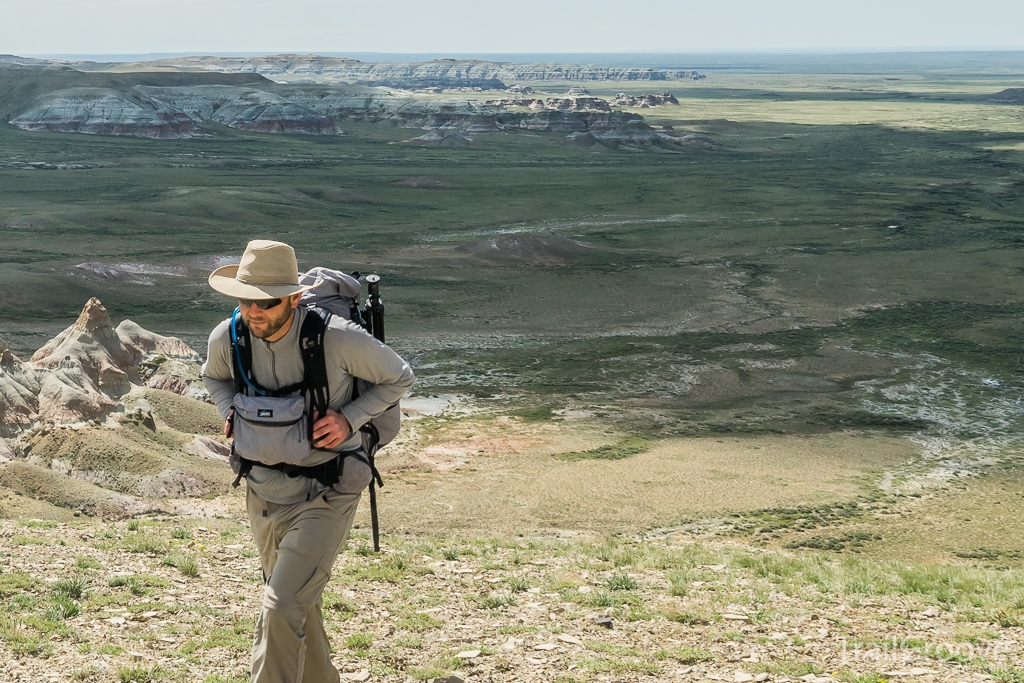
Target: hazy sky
462,26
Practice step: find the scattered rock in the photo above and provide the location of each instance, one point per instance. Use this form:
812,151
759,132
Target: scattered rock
604,622
468,654
728,616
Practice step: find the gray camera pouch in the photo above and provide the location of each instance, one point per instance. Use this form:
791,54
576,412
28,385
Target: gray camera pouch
272,430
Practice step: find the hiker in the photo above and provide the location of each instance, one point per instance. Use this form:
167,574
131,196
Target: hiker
301,493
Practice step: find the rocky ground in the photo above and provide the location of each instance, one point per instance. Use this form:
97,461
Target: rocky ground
174,599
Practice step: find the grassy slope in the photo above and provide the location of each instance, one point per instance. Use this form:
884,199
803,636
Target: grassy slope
173,600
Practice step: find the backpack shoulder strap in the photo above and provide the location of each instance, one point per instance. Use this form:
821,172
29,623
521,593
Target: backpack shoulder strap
241,356
311,345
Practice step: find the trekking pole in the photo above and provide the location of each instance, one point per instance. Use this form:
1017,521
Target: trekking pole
374,521
375,315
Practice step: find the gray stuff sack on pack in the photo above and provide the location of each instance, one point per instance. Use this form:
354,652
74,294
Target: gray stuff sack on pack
272,430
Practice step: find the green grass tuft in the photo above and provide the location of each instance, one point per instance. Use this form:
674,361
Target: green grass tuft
517,584
61,608
359,641
621,582
140,673
629,446
419,623
86,562
73,587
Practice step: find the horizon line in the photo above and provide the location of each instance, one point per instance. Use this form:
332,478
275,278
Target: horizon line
808,51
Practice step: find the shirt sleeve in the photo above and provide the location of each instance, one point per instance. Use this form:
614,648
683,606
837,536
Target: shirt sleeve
362,356
216,373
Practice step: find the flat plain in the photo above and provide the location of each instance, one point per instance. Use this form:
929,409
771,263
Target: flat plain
804,338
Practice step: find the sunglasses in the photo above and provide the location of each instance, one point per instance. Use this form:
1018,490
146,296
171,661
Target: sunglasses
262,304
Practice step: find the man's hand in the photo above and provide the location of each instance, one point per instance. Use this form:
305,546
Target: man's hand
229,424
330,430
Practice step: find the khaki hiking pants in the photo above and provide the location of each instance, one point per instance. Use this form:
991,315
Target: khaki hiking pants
297,545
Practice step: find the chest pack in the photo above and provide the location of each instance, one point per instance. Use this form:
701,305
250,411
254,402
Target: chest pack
274,427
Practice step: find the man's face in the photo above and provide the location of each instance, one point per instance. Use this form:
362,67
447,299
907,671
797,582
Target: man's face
266,323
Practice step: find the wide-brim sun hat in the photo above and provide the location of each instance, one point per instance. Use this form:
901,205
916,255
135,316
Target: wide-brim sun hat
268,270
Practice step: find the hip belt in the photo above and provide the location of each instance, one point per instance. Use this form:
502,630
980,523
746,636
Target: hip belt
327,474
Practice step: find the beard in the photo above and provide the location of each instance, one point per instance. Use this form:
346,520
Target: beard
265,323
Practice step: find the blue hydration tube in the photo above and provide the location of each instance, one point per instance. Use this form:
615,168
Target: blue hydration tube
238,357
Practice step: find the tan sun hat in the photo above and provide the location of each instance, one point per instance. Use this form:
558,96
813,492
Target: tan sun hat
268,270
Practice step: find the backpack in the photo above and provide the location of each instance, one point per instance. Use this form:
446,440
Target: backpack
338,294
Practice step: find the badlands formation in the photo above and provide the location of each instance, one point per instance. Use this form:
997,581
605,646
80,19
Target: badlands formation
193,97
102,416
444,73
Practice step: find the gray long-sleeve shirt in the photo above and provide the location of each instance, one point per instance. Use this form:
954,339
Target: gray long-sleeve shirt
350,353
